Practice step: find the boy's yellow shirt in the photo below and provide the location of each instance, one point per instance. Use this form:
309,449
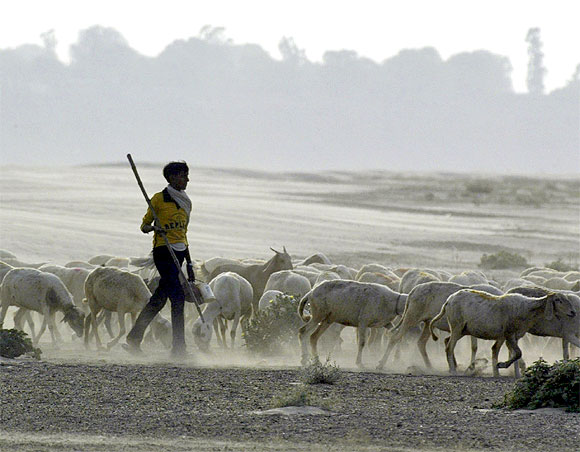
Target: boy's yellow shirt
172,218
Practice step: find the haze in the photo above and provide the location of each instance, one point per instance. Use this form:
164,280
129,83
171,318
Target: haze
215,103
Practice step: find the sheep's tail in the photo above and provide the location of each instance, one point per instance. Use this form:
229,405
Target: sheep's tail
402,316
302,305
435,319
203,273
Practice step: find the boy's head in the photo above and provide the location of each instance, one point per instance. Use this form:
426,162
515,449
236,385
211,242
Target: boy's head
174,168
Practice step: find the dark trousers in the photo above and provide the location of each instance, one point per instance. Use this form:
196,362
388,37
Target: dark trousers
169,287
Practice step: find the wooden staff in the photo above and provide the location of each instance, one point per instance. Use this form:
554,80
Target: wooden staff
158,224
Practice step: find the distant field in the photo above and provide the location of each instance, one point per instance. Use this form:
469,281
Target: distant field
398,219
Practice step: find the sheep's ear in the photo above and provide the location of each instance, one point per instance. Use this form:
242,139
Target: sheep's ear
277,252
549,310
284,247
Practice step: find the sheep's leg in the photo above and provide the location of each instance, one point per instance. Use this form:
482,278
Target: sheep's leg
471,366
494,356
223,324
30,321
450,343
96,331
108,319
219,328
361,336
320,329
41,331
52,328
18,319
122,331
303,331
394,339
87,332
422,344
234,328
566,341
516,354
3,312
375,338
24,315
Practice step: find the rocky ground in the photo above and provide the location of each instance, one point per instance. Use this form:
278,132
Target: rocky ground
55,405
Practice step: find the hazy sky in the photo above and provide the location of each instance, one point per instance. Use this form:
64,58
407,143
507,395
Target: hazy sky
375,29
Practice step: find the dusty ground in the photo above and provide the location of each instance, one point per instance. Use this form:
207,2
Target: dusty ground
75,404
107,400
78,400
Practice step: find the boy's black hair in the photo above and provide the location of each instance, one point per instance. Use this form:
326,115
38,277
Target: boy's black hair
174,168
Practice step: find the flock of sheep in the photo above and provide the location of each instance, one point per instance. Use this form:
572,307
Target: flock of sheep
381,303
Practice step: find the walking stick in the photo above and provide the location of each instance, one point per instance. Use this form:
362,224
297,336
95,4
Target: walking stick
158,224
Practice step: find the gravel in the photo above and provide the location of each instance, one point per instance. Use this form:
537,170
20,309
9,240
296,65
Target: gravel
216,408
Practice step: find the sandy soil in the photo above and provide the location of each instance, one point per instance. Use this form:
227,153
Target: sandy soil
74,400
87,400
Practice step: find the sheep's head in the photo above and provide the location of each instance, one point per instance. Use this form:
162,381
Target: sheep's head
202,332
75,319
558,303
280,261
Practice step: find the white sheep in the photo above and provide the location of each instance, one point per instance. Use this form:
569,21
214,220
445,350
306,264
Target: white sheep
4,254
234,296
319,258
567,328
349,303
115,290
309,273
79,264
416,276
257,274
325,275
547,273
288,282
42,292
572,275
559,283
119,262
100,259
469,278
423,304
21,264
4,268
503,318
516,282
375,268
342,271
537,280
74,280
380,278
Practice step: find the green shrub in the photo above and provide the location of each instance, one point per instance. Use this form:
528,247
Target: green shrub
274,328
317,373
299,396
543,385
503,259
561,266
14,343
479,186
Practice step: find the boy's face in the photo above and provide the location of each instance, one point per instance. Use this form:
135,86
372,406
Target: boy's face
179,181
